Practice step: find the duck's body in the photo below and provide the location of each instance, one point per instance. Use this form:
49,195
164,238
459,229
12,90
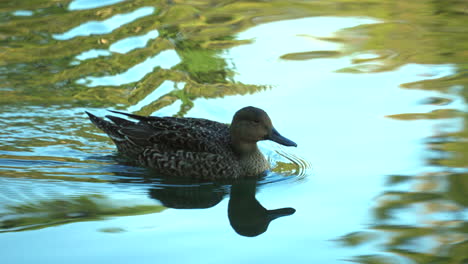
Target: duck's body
193,147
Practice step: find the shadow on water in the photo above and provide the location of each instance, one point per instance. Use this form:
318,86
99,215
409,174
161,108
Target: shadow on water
30,211
246,215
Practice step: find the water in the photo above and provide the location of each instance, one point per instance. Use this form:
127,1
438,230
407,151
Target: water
373,93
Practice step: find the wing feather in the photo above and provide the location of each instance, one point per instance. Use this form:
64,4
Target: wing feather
173,133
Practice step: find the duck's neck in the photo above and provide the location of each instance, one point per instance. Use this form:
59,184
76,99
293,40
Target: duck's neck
244,148
252,160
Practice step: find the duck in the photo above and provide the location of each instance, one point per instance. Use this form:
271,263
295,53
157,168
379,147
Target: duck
194,147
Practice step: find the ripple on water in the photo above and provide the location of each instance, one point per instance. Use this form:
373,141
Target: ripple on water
286,166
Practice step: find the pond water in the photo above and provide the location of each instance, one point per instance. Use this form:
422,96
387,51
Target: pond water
374,94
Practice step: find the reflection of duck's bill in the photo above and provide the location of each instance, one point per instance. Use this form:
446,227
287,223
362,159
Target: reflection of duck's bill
278,138
273,214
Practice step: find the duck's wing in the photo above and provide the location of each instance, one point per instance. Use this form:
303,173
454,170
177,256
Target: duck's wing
177,137
171,123
169,134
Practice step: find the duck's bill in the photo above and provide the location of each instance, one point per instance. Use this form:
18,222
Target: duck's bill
278,138
273,214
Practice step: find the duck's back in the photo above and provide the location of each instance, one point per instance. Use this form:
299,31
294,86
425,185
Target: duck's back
191,147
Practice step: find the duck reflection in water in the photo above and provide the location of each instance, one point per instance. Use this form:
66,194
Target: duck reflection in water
246,215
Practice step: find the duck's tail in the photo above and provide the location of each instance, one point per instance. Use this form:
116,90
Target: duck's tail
110,128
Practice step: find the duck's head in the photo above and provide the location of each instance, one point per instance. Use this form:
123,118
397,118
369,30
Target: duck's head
250,125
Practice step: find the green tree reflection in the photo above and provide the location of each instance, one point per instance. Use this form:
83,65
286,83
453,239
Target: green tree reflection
53,212
426,221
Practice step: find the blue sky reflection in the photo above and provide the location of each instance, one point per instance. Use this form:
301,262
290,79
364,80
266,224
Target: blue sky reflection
128,44
89,4
105,26
165,59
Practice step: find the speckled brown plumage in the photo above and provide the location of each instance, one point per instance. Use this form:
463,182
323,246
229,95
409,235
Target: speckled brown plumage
194,147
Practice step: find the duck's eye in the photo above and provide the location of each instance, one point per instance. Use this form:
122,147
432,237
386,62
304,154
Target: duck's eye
256,122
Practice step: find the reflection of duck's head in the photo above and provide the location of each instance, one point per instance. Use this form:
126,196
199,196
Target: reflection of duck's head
246,215
250,125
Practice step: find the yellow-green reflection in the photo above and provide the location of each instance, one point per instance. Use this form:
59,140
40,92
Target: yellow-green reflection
198,31
47,213
425,222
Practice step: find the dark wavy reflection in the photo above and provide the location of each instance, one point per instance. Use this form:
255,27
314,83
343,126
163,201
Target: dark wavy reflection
246,215
28,208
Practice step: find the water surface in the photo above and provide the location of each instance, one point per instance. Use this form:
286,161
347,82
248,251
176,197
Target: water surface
374,93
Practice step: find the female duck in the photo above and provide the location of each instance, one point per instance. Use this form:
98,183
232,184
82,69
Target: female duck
195,147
